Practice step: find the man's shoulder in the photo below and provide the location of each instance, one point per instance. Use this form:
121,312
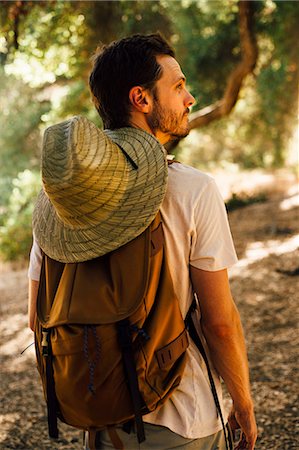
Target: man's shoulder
184,177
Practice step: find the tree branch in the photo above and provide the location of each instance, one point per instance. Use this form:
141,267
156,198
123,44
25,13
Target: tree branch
16,11
235,80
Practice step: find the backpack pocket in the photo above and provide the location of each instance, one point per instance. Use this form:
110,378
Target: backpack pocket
91,390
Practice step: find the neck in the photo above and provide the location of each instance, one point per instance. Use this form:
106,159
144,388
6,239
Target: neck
141,123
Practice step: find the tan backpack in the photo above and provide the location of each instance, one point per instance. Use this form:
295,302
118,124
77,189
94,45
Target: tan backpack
110,337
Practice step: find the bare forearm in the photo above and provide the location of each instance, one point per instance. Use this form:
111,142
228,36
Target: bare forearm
32,297
223,331
229,356
222,328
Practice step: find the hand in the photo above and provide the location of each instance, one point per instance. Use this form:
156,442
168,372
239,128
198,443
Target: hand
245,421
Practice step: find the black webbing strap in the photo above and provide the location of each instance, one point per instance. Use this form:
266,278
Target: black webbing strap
50,386
125,342
196,339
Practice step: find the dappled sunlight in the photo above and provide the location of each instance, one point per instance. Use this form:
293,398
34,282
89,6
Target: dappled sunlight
256,251
31,71
232,180
12,325
7,421
289,203
16,344
16,337
292,201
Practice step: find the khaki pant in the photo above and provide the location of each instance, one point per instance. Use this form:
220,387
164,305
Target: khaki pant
161,438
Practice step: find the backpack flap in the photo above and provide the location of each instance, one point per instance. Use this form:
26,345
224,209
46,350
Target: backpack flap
110,287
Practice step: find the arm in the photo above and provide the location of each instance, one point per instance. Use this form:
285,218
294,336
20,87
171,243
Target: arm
223,332
34,274
32,297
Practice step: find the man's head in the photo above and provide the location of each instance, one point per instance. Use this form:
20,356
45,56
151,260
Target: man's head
136,81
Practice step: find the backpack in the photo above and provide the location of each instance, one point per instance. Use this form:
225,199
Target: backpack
110,338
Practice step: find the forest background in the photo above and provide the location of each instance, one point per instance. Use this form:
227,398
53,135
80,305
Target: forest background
45,59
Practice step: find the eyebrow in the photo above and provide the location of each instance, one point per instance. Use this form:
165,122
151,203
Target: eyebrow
182,78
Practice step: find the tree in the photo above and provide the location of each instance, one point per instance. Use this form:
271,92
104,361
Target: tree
249,54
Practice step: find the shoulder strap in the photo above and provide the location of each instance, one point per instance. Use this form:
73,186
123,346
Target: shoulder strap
171,161
50,385
125,342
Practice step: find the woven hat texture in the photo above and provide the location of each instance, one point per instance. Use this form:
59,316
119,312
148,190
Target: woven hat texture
101,189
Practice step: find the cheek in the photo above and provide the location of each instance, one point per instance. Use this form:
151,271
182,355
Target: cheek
166,101
175,104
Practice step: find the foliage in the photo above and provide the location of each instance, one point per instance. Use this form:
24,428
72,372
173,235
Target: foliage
21,116
205,35
277,81
257,132
15,225
20,143
207,43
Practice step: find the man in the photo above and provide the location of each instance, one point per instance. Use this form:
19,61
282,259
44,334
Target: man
137,82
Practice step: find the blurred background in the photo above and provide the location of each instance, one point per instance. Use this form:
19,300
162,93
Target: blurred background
241,63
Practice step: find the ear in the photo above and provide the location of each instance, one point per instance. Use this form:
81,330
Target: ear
140,99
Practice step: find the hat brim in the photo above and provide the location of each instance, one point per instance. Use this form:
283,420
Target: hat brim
137,210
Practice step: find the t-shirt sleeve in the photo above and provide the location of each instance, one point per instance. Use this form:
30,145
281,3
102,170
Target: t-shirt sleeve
212,246
35,261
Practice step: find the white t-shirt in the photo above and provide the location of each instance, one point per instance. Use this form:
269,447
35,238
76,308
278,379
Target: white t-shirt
196,233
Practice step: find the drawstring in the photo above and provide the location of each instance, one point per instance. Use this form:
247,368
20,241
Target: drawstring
26,348
91,363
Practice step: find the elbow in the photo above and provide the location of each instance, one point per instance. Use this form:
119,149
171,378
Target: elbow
225,328
220,331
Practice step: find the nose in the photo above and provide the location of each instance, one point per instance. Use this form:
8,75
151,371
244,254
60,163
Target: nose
190,100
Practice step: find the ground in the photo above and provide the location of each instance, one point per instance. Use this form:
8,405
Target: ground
265,287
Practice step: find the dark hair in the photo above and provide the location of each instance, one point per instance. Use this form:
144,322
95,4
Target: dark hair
120,66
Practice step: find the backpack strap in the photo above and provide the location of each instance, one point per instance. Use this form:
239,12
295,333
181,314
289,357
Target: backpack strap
171,161
50,385
197,341
125,342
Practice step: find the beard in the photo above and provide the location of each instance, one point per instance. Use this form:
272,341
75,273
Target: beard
167,121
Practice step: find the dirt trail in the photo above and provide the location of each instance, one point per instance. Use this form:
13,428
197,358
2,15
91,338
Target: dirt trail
265,287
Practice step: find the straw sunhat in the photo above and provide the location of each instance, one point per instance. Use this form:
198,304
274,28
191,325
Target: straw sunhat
101,189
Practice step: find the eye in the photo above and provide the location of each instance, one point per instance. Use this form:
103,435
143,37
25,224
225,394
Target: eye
180,86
